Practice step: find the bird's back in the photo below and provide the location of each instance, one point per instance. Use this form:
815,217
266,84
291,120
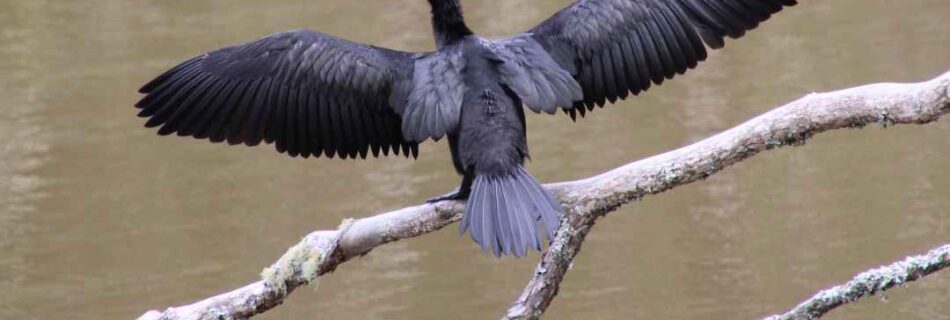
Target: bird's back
491,129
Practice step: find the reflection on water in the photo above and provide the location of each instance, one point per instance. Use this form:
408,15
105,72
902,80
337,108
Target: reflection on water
101,219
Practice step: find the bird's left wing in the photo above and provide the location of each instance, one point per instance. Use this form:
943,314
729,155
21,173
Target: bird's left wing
311,93
615,47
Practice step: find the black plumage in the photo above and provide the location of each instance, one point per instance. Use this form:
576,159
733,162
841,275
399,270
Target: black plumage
312,94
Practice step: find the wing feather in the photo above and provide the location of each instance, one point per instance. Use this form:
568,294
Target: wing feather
304,146
187,124
615,47
235,127
207,88
306,92
256,127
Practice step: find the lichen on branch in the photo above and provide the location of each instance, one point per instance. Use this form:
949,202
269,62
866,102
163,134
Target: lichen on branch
585,200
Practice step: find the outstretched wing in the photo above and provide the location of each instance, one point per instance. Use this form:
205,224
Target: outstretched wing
615,47
311,93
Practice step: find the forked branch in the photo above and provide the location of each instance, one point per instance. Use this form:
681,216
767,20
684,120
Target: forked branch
585,200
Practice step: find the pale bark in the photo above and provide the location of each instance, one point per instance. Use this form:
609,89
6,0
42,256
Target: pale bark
869,283
585,200
792,124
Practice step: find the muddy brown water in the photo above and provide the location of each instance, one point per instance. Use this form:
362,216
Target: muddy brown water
102,219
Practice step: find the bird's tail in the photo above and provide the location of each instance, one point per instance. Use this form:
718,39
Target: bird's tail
503,213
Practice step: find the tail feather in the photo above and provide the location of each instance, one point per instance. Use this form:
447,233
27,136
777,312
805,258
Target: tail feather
527,237
546,202
519,235
489,221
505,239
503,213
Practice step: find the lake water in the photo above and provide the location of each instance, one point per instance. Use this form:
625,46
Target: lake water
102,219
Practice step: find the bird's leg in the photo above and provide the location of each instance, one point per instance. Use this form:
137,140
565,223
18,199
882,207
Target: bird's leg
460,193
457,194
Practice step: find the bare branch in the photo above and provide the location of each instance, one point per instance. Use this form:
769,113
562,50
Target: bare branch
869,283
792,124
585,200
318,253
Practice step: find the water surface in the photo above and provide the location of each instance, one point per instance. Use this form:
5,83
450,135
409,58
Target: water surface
102,219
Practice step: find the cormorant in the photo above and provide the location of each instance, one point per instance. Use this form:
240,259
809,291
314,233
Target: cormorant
317,95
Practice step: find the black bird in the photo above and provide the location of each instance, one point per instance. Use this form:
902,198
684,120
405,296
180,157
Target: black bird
317,95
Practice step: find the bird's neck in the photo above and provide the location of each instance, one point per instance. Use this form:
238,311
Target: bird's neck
447,22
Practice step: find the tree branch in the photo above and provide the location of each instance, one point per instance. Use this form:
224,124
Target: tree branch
792,124
869,283
584,200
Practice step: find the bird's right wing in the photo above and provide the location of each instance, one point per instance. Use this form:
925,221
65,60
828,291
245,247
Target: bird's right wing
614,47
311,93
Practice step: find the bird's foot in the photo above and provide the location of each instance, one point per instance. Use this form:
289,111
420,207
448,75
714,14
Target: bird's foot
454,195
